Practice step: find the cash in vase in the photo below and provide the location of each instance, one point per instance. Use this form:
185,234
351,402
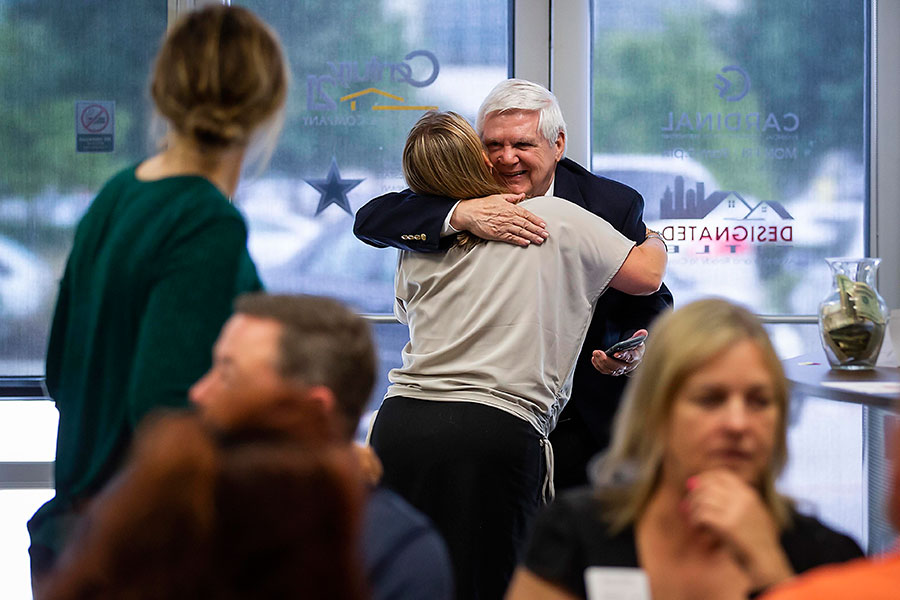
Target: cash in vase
853,317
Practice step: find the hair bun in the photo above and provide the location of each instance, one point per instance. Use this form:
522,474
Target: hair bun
214,125
219,75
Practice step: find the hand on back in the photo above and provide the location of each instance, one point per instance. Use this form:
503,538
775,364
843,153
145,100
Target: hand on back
498,218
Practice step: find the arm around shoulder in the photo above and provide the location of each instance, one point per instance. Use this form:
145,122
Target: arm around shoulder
403,220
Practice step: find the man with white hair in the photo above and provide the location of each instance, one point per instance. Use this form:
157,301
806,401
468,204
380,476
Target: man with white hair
524,136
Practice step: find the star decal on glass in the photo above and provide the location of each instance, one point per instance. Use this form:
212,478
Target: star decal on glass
333,188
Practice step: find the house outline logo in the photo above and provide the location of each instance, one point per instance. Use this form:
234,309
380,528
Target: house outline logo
352,98
727,205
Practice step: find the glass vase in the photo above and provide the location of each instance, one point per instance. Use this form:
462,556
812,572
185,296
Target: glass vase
852,318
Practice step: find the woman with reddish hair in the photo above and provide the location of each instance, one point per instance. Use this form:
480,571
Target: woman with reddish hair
267,511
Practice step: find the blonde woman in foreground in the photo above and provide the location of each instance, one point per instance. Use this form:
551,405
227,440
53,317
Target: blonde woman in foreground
686,493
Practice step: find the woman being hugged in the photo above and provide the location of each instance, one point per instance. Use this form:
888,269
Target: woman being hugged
158,258
687,490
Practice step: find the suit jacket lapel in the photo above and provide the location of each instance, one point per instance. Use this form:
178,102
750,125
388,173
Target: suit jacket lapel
566,185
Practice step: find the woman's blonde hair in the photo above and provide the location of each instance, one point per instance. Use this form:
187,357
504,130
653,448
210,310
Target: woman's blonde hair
681,342
444,157
219,76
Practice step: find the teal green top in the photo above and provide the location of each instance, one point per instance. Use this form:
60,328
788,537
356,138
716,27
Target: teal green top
153,272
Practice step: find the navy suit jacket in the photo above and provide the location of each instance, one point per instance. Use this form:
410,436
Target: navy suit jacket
411,222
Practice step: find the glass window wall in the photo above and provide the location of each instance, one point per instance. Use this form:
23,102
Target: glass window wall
743,124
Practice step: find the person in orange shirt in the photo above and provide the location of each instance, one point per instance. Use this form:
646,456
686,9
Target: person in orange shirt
863,579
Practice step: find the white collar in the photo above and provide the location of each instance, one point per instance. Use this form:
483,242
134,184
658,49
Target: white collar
552,187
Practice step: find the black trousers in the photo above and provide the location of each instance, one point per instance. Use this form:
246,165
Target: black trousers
574,447
476,471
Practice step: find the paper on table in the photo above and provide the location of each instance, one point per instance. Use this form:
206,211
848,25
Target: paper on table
616,583
866,387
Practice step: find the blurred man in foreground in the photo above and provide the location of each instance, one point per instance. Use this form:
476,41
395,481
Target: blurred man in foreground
286,349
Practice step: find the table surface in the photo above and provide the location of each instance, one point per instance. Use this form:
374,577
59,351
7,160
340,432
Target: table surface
810,374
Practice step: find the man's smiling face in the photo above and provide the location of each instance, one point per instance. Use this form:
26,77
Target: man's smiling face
523,160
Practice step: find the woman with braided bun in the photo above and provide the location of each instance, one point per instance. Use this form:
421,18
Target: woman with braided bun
158,258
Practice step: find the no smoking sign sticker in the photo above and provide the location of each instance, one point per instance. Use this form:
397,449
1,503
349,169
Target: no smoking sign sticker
95,125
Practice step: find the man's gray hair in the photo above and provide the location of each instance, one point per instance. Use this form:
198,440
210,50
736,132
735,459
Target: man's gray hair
519,94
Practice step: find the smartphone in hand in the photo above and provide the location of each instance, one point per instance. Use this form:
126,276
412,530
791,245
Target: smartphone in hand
624,345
